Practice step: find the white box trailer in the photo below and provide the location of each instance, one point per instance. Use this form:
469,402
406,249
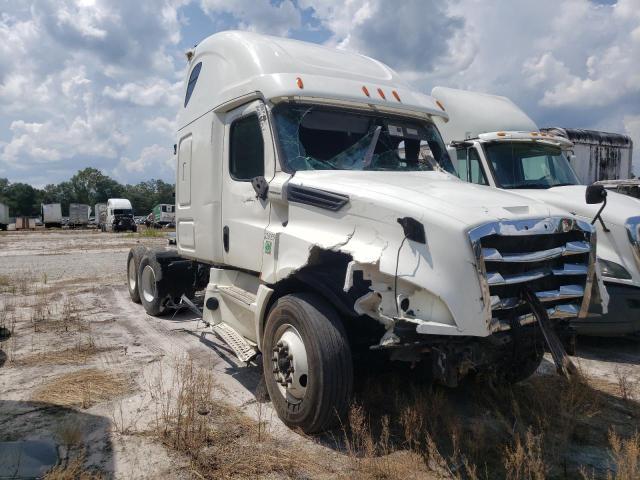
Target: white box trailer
100,214
78,215
314,237
4,216
52,215
597,156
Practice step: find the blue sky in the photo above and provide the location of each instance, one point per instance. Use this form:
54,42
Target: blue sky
98,83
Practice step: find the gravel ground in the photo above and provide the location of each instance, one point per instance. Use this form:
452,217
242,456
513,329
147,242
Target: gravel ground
86,269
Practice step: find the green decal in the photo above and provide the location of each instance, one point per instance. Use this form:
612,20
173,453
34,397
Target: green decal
267,247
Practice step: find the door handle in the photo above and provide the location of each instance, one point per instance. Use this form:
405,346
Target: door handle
225,238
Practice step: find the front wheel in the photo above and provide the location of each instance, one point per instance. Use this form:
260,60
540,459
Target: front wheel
307,363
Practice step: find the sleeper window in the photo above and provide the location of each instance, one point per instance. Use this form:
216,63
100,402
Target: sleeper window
246,149
193,78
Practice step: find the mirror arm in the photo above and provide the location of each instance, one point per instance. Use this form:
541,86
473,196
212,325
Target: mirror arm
598,217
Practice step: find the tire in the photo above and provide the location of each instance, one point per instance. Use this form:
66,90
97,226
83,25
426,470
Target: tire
151,287
133,264
524,367
318,397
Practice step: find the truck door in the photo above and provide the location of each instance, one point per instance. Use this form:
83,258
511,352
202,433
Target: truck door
248,153
469,166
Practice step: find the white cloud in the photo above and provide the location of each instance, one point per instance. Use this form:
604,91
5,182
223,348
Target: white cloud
161,125
259,15
153,93
154,160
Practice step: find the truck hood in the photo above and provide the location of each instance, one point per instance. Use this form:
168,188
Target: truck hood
571,198
434,191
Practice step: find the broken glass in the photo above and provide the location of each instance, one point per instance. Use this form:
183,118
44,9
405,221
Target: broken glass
326,138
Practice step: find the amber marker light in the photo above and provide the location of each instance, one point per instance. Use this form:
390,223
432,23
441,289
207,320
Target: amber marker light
396,96
365,90
299,83
440,105
501,134
381,93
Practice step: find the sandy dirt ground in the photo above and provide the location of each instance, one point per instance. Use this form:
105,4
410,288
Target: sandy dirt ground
81,366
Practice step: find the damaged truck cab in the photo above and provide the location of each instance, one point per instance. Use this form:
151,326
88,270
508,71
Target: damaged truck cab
308,211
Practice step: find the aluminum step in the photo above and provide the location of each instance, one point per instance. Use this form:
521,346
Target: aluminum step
243,349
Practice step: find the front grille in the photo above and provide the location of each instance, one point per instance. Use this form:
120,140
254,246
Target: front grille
554,257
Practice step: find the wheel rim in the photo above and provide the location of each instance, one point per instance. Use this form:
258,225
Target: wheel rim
148,282
133,275
289,364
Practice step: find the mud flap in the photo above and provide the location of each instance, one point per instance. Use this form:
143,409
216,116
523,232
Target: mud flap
564,365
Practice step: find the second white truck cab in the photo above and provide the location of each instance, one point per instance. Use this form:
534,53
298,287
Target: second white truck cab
312,210
119,216
493,142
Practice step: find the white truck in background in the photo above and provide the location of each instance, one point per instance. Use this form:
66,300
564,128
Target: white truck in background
51,215
119,216
4,216
494,143
318,242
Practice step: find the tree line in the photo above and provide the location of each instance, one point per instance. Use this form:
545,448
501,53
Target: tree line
88,186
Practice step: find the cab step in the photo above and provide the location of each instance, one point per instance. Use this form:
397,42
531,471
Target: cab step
243,349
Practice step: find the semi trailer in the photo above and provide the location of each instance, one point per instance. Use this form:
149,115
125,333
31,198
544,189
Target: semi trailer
162,214
493,142
4,216
319,232
51,215
78,215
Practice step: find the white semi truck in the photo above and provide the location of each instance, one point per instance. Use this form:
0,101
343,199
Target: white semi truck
494,143
119,216
315,239
51,215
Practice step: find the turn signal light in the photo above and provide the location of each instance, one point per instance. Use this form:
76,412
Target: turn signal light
299,83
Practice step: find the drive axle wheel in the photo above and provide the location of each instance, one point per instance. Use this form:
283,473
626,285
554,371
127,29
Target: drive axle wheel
133,262
307,363
151,288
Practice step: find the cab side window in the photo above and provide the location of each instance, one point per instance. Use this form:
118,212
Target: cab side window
246,149
470,171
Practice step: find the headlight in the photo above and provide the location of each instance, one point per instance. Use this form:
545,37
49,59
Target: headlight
613,270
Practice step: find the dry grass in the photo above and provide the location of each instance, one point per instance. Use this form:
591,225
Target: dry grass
83,388
220,440
78,354
526,431
72,470
21,283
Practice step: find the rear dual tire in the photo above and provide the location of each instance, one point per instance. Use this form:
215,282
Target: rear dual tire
133,264
151,285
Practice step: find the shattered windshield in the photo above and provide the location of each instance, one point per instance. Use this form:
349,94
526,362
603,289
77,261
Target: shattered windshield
324,138
529,165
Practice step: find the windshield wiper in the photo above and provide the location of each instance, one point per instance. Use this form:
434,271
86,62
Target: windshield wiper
372,146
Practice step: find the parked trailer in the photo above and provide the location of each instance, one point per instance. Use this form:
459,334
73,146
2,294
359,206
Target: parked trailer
78,215
100,214
162,214
597,155
25,223
52,215
4,216
315,240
